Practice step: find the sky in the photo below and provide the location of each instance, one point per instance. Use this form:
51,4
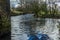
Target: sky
14,3
12,0
18,0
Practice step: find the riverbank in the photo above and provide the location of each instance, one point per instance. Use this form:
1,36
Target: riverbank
57,16
22,13
41,15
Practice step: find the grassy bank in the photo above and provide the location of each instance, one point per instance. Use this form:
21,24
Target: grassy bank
38,14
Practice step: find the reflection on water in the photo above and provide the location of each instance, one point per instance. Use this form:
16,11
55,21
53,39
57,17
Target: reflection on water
22,26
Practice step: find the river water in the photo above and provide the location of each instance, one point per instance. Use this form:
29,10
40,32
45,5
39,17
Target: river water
23,25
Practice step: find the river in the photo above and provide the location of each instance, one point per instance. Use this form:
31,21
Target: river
23,25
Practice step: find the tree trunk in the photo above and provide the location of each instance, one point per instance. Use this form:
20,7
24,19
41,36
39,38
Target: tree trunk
4,19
